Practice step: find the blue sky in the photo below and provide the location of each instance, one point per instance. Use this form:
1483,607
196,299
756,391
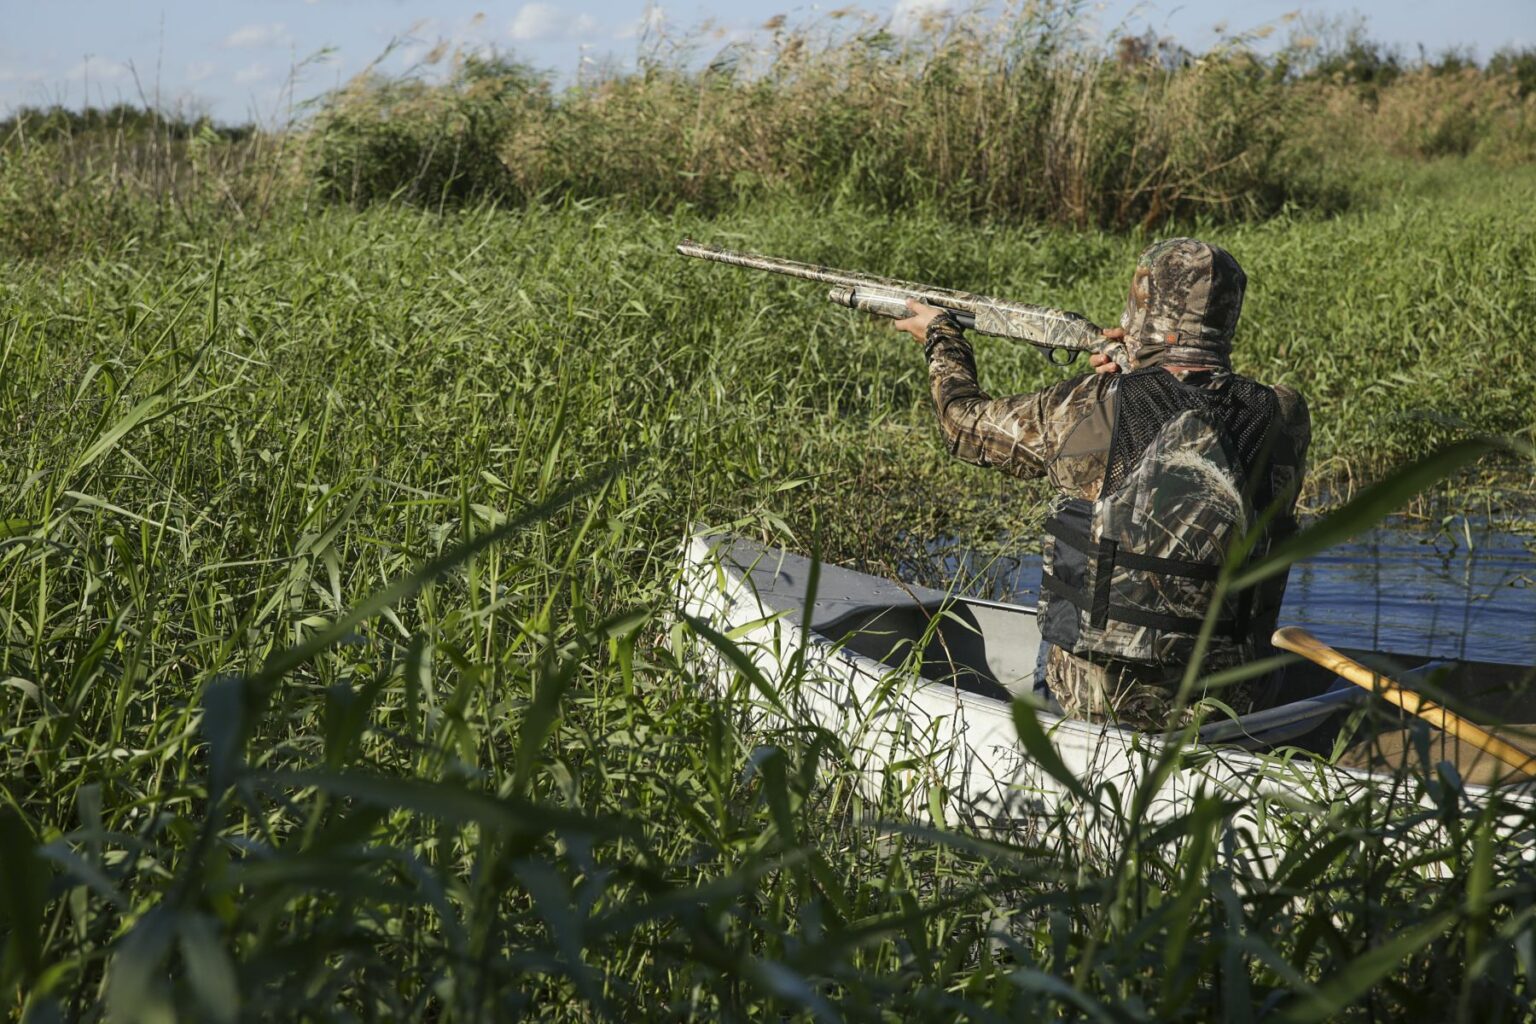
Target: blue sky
236,58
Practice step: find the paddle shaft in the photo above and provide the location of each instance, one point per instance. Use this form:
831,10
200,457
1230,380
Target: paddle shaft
1299,641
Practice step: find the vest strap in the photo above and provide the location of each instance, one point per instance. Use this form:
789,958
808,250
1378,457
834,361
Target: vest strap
1130,559
1135,616
1103,576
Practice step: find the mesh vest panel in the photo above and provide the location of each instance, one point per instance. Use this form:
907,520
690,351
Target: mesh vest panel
1133,575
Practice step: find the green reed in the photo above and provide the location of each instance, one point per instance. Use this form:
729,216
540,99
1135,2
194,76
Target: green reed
342,677
1016,114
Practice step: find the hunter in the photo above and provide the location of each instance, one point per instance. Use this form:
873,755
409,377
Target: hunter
1160,467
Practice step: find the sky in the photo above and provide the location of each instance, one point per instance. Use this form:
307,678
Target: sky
243,60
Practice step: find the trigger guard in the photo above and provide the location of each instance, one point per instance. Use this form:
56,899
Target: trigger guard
1071,356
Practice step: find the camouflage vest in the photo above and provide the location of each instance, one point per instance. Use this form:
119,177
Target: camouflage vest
1132,575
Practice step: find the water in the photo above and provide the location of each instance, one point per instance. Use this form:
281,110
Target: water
1394,588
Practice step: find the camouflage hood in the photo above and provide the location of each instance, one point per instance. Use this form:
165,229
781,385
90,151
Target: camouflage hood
1184,303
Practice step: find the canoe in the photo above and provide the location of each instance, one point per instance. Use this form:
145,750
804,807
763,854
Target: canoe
919,688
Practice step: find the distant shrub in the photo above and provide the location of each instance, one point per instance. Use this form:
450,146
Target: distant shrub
1423,114
1431,114
44,208
382,138
1454,60
1364,63
72,180
1513,138
1517,65
43,124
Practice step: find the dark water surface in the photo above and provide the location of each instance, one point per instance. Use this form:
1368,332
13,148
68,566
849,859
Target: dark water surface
1394,588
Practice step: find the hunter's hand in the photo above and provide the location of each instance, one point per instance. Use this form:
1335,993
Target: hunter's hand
917,324
1100,362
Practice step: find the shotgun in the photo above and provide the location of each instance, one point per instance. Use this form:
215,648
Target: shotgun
1054,330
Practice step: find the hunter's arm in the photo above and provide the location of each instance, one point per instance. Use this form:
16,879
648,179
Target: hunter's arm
1010,433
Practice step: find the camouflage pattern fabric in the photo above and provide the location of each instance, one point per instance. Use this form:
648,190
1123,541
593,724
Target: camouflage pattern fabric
1063,433
1183,306
1023,435
1184,500
1140,696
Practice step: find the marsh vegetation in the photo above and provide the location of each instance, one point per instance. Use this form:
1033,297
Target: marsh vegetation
345,469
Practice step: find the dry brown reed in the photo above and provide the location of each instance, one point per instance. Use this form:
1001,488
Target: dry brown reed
1424,114
1018,117
1010,117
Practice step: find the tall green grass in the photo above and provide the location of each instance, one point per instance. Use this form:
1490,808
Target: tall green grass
499,792
341,676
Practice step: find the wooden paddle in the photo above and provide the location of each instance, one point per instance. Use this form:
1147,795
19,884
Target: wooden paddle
1299,641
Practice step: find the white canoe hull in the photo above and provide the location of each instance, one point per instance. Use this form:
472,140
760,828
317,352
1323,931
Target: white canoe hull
941,746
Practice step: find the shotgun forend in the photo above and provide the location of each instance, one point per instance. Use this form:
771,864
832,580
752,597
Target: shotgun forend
1054,330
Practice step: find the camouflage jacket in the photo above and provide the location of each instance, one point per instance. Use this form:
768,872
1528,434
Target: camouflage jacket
1063,433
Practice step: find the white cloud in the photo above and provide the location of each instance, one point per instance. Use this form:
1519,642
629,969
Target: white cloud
536,21
649,23
428,40
17,75
98,70
255,36
412,54
910,14
540,21
199,70
252,73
